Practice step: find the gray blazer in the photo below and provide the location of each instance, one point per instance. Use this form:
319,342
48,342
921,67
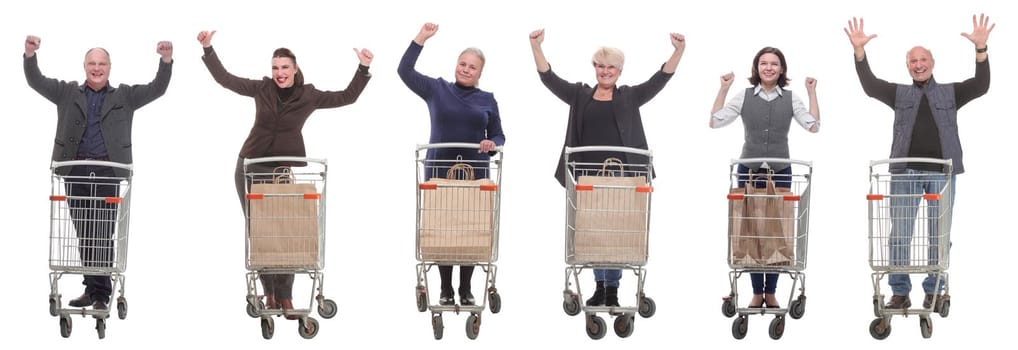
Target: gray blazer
117,111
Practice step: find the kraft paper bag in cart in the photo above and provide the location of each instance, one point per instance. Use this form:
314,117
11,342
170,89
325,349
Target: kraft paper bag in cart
283,225
457,218
611,223
761,229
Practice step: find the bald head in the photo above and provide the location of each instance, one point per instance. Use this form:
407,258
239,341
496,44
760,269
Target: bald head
920,64
97,68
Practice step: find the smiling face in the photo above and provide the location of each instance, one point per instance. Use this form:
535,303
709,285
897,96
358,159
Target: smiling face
920,64
769,68
283,71
608,66
468,68
97,68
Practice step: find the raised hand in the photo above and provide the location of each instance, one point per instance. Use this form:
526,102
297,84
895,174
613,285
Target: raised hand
979,31
365,56
678,41
726,80
856,35
427,31
537,37
811,84
205,38
165,49
32,43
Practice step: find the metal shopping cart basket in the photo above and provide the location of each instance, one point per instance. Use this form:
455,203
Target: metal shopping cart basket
285,234
607,226
89,220
458,204
768,227
910,233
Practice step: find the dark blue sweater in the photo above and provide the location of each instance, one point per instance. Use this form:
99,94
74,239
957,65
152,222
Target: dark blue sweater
458,114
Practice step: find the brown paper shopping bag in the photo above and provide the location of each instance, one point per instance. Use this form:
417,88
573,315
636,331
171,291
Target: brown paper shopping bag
761,229
611,219
283,224
457,217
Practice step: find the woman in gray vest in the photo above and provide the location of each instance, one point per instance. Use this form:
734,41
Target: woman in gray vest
767,111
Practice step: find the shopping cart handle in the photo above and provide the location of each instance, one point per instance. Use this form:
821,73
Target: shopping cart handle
455,145
284,159
771,160
640,151
70,163
945,162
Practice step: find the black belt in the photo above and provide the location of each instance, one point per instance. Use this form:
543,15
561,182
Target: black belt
91,158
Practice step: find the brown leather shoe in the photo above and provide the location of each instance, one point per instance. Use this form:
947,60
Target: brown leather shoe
270,302
100,305
286,305
935,301
83,301
771,301
899,302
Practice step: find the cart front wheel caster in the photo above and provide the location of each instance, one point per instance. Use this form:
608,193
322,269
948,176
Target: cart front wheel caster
473,326
728,308
880,328
327,309
268,327
494,302
926,327
436,326
54,306
307,327
798,307
122,308
422,300
740,326
647,307
253,307
571,305
100,328
596,328
624,325
65,327
777,328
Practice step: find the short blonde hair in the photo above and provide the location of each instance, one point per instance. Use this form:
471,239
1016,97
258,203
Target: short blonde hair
474,51
609,56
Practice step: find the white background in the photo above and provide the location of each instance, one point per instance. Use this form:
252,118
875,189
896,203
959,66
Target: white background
186,272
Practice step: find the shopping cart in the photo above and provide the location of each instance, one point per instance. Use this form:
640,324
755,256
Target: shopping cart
909,233
89,219
607,225
286,234
457,224
768,229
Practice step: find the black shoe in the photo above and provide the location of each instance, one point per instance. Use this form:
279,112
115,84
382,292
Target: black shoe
466,298
928,301
899,302
935,301
83,301
100,305
611,296
598,298
446,299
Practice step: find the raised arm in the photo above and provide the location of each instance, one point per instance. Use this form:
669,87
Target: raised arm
980,33
141,95
976,86
49,88
246,87
814,107
679,43
858,37
536,38
874,87
722,114
417,82
332,99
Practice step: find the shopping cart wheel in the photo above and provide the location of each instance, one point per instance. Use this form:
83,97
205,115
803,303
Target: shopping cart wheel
54,306
647,307
926,326
100,327
307,327
122,308
436,326
268,327
327,309
728,308
880,328
945,308
596,328
65,326
624,325
740,326
777,328
494,302
253,305
422,300
473,326
798,307
571,305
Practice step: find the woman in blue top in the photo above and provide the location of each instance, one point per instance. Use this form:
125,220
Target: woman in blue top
460,112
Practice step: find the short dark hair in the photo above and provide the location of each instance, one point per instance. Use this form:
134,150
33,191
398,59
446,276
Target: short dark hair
298,79
782,79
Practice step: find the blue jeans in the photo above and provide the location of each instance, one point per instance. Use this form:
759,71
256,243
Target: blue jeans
903,213
609,277
782,178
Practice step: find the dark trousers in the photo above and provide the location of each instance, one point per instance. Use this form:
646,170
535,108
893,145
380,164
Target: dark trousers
765,283
445,272
95,222
279,285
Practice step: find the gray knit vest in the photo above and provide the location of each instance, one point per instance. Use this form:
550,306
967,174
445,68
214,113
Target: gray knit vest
945,114
766,125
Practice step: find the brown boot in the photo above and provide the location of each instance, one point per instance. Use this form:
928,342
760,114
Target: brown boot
287,305
270,302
